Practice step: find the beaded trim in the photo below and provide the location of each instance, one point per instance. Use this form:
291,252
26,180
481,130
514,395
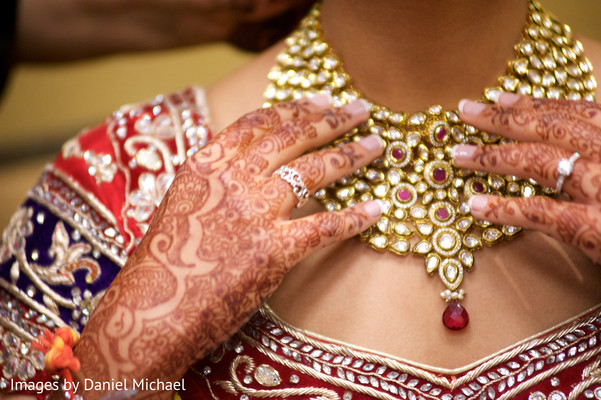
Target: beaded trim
381,376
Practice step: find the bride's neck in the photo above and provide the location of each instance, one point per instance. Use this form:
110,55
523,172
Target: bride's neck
409,54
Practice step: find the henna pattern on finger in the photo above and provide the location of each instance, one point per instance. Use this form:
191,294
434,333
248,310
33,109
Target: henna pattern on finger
534,160
555,119
577,224
314,167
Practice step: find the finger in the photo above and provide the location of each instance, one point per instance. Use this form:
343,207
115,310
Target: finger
572,125
533,161
254,125
296,136
301,237
319,168
577,224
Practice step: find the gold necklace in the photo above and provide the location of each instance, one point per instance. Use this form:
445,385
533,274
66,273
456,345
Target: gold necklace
425,195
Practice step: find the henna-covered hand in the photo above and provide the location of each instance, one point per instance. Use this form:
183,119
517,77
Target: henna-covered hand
548,131
222,241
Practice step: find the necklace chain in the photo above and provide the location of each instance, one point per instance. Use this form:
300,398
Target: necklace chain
425,195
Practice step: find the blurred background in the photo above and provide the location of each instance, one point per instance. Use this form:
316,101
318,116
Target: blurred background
45,104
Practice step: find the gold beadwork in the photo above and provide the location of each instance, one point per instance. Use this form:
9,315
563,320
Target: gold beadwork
424,193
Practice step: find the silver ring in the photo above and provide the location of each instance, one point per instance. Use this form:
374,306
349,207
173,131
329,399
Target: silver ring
295,180
565,169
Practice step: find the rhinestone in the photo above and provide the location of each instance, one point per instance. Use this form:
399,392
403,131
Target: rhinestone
598,392
418,212
381,190
267,376
379,242
589,394
464,224
451,272
425,229
510,83
471,241
347,396
294,379
537,396
492,94
466,258
394,177
248,379
422,247
417,119
446,241
491,235
402,229
557,395
534,77
432,263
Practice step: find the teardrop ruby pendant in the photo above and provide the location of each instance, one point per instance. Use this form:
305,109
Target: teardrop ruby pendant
455,317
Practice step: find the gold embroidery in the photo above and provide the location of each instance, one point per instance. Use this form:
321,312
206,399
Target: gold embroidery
84,212
590,375
67,259
235,386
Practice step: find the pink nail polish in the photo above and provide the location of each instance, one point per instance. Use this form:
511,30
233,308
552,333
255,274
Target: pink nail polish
508,99
469,107
372,142
463,151
321,100
374,208
358,107
477,203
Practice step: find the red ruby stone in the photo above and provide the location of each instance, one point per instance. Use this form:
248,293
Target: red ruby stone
404,195
398,154
455,317
441,134
478,187
442,213
439,174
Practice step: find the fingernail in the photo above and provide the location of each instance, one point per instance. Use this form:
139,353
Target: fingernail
374,208
508,99
477,203
358,107
372,142
321,100
469,107
463,151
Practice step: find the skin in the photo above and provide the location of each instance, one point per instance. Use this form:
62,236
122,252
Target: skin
222,241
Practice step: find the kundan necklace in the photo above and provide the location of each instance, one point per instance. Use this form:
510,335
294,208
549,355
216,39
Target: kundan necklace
425,195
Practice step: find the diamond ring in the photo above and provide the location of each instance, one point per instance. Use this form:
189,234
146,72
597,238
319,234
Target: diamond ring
295,180
565,168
